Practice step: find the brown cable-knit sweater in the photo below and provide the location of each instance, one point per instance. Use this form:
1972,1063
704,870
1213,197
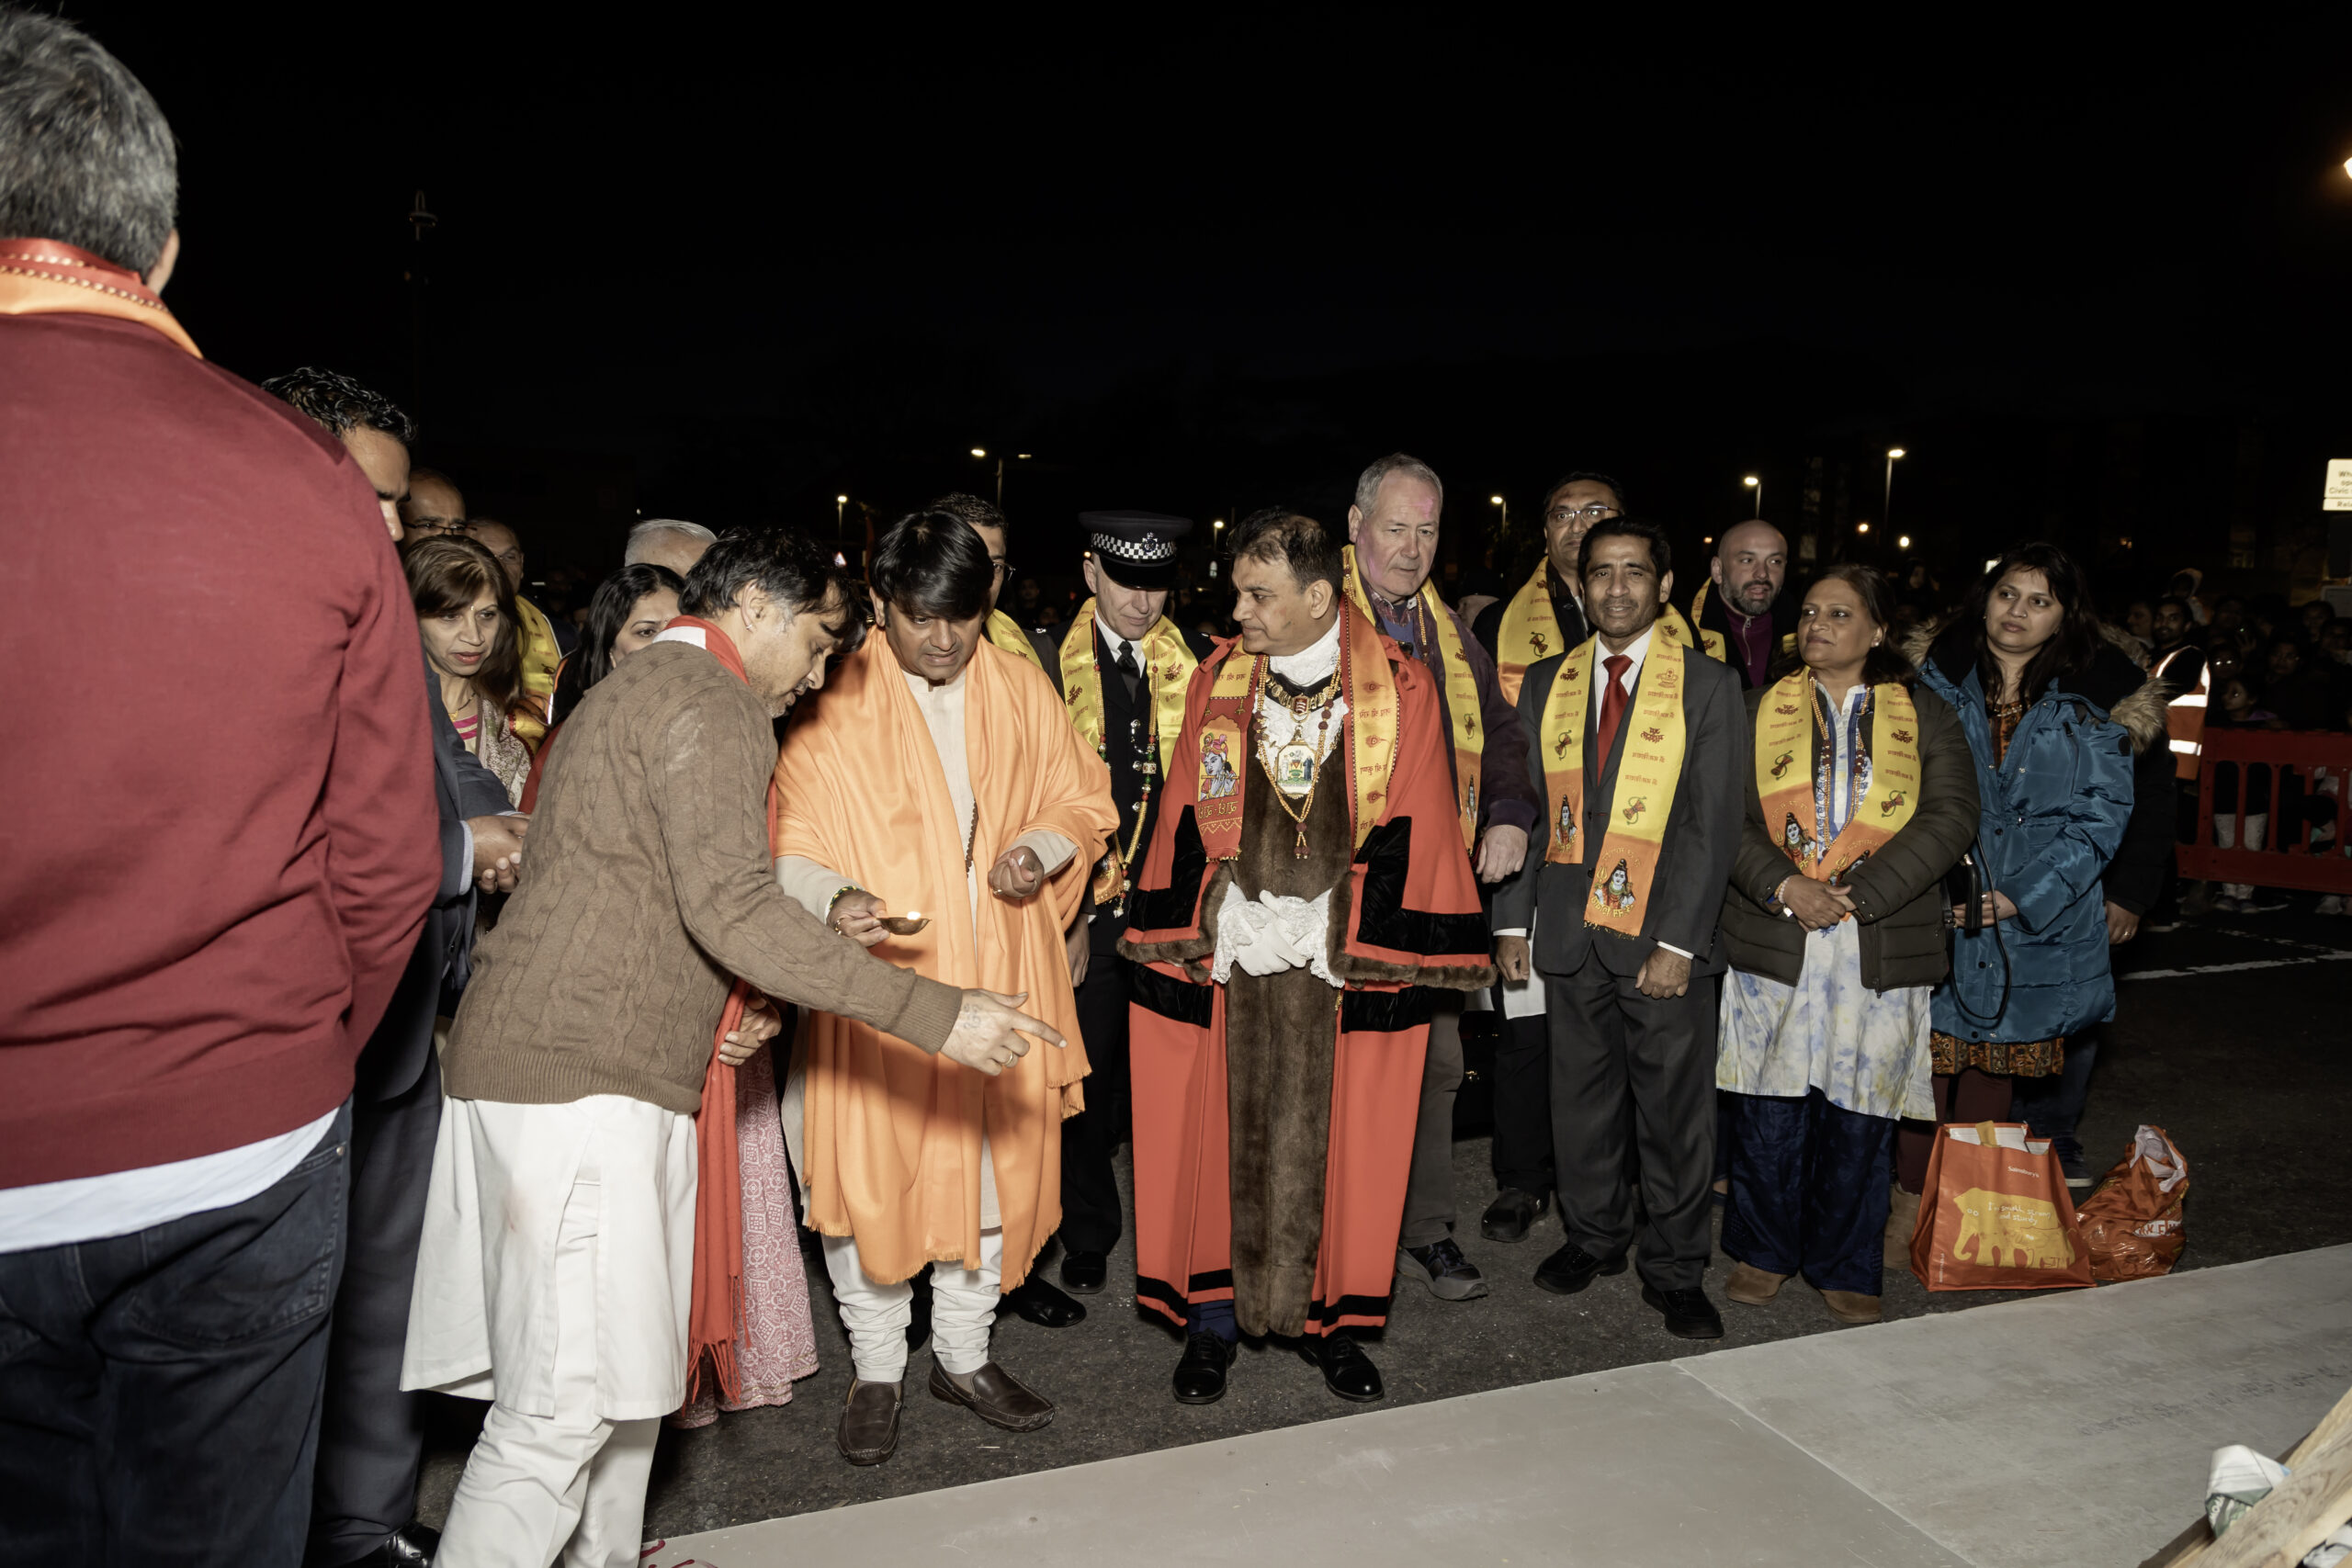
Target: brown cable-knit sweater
647,883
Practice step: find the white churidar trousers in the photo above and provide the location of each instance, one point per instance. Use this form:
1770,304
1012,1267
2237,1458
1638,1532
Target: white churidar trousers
963,1308
559,1238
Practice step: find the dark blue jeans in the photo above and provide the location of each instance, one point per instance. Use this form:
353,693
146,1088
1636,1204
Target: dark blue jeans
1808,1190
159,1391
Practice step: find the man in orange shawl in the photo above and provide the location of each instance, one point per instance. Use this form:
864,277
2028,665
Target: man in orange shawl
1307,883
941,781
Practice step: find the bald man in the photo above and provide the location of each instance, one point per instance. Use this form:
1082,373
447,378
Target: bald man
1743,599
433,505
667,541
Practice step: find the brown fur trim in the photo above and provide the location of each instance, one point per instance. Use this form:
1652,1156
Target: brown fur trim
1457,979
1191,951
1378,972
1919,640
2142,714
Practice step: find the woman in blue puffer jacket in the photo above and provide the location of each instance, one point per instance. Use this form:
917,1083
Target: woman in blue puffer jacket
2050,710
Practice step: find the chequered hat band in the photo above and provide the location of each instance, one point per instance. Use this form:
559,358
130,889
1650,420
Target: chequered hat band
1149,549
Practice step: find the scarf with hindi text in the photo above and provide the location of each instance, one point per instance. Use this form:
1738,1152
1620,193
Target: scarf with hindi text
1649,765
1461,687
1785,730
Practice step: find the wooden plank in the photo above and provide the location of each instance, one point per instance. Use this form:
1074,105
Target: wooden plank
2300,1513
2192,1545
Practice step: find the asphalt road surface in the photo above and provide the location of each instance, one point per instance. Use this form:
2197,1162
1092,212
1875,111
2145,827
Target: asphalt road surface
2231,1033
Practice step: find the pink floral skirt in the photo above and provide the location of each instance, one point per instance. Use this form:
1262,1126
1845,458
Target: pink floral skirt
775,1340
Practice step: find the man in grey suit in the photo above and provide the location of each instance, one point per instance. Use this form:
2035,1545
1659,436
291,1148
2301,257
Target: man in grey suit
1632,1019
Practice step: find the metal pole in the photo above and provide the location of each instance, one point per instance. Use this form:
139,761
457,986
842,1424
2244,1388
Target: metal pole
1886,503
999,484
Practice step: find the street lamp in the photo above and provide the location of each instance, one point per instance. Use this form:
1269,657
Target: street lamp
839,502
1903,541
1503,527
1886,505
982,452
1862,527
1756,484
1217,544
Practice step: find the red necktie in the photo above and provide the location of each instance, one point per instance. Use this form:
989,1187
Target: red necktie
1612,708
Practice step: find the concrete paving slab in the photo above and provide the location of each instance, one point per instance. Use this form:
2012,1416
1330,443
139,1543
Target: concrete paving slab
2070,1427
1639,1465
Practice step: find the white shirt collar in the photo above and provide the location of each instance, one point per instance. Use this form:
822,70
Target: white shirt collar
1314,663
694,637
1637,650
1118,643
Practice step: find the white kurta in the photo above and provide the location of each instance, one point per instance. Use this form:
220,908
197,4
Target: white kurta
483,1314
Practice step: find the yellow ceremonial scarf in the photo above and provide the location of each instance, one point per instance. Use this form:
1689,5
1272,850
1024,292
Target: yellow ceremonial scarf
542,658
1649,765
1167,670
1714,644
1784,736
1006,633
1672,627
1461,690
1530,631
1229,725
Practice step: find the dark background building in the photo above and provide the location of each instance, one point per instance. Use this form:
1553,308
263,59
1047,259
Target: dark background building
729,268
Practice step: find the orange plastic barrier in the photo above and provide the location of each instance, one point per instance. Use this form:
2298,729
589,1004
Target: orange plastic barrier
2294,866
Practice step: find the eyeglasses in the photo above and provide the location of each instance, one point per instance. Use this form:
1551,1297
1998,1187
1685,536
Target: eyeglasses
1004,568
1592,513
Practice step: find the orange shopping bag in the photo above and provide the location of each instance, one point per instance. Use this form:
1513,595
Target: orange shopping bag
2131,1225
1996,1215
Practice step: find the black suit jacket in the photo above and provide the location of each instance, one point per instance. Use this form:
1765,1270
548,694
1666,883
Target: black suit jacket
1686,897
396,1053
1119,712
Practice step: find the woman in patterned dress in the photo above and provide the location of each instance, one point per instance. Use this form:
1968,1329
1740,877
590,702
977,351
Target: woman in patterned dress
473,640
1824,1020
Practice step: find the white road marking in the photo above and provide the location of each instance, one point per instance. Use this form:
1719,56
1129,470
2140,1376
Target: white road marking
2232,968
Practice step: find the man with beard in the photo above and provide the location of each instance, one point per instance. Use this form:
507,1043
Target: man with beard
1306,878
1740,612
1639,746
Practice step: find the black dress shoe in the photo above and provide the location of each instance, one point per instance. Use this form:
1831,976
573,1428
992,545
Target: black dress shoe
1689,1313
869,1430
1347,1371
1512,1212
1084,1272
410,1546
1199,1376
1041,1305
1571,1269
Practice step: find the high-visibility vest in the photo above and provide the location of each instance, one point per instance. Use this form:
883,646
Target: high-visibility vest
2185,718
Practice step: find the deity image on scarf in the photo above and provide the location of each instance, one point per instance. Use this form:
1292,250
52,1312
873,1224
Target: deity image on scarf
1567,827
1794,839
1617,893
1216,768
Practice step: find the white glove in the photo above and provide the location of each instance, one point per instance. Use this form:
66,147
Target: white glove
1270,933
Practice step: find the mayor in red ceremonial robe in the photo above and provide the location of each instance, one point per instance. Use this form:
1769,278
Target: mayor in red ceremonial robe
1305,880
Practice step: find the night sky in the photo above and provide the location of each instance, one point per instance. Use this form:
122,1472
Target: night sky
729,270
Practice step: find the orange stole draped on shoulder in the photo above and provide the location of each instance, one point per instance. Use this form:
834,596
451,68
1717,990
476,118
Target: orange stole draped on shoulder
893,1134
1412,918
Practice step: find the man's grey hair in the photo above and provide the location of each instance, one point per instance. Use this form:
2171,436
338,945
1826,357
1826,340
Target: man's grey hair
85,155
1368,482
643,535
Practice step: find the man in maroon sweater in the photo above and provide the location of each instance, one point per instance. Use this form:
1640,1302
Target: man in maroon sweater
219,843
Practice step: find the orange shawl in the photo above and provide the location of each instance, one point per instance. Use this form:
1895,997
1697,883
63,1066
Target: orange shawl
893,1134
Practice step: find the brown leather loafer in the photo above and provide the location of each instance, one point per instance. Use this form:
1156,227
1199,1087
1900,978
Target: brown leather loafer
869,1431
996,1396
1850,1306
1751,1286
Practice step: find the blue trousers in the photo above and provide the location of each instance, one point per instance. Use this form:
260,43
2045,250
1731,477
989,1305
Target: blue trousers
159,1391
2053,1106
1808,1190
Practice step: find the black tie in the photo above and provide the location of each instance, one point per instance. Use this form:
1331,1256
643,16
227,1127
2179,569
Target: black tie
1129,672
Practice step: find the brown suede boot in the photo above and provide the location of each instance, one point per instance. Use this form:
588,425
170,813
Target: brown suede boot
1752,1287
1902,1219
1847,1306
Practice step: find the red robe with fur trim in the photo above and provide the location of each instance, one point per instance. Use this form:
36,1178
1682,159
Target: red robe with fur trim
1253,1183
